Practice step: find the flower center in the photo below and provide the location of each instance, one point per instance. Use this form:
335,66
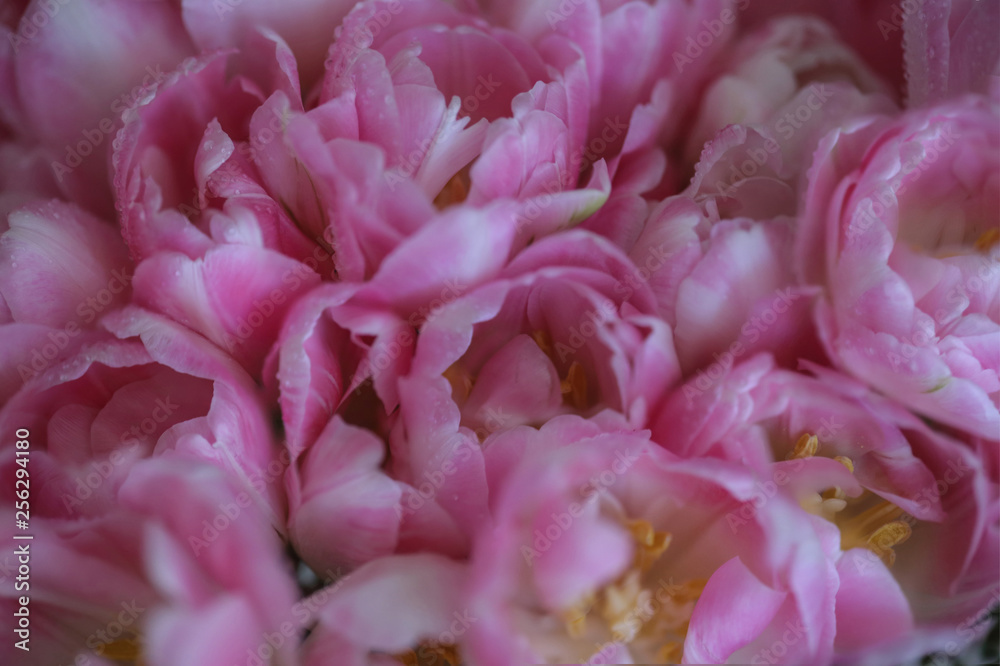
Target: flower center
461,382
867,521
651,617
123,649
430,653
573,384
455,190
987,240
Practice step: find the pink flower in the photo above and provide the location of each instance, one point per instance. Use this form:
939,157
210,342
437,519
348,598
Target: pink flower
913,500
182,569
726,287
791,65
719,255
340,338
631,49
871,28
538,358
771,100
341,177
150,389
606,549
900,228
567,327
185,179
337,367
516,131
646,64
96,59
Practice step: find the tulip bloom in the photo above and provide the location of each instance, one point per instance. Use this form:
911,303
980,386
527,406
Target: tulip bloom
900,228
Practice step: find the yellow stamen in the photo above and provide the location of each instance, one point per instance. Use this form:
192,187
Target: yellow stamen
688,591
988,239
632,611
460,380
544,341
833,506
805,447
574,387
575,617
879,528
619,603
833,493
430,653
871,519
650,544
455,190
884,538
123,649
670,653
846,462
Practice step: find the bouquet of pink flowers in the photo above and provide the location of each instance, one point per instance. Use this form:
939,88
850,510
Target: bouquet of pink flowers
436,332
